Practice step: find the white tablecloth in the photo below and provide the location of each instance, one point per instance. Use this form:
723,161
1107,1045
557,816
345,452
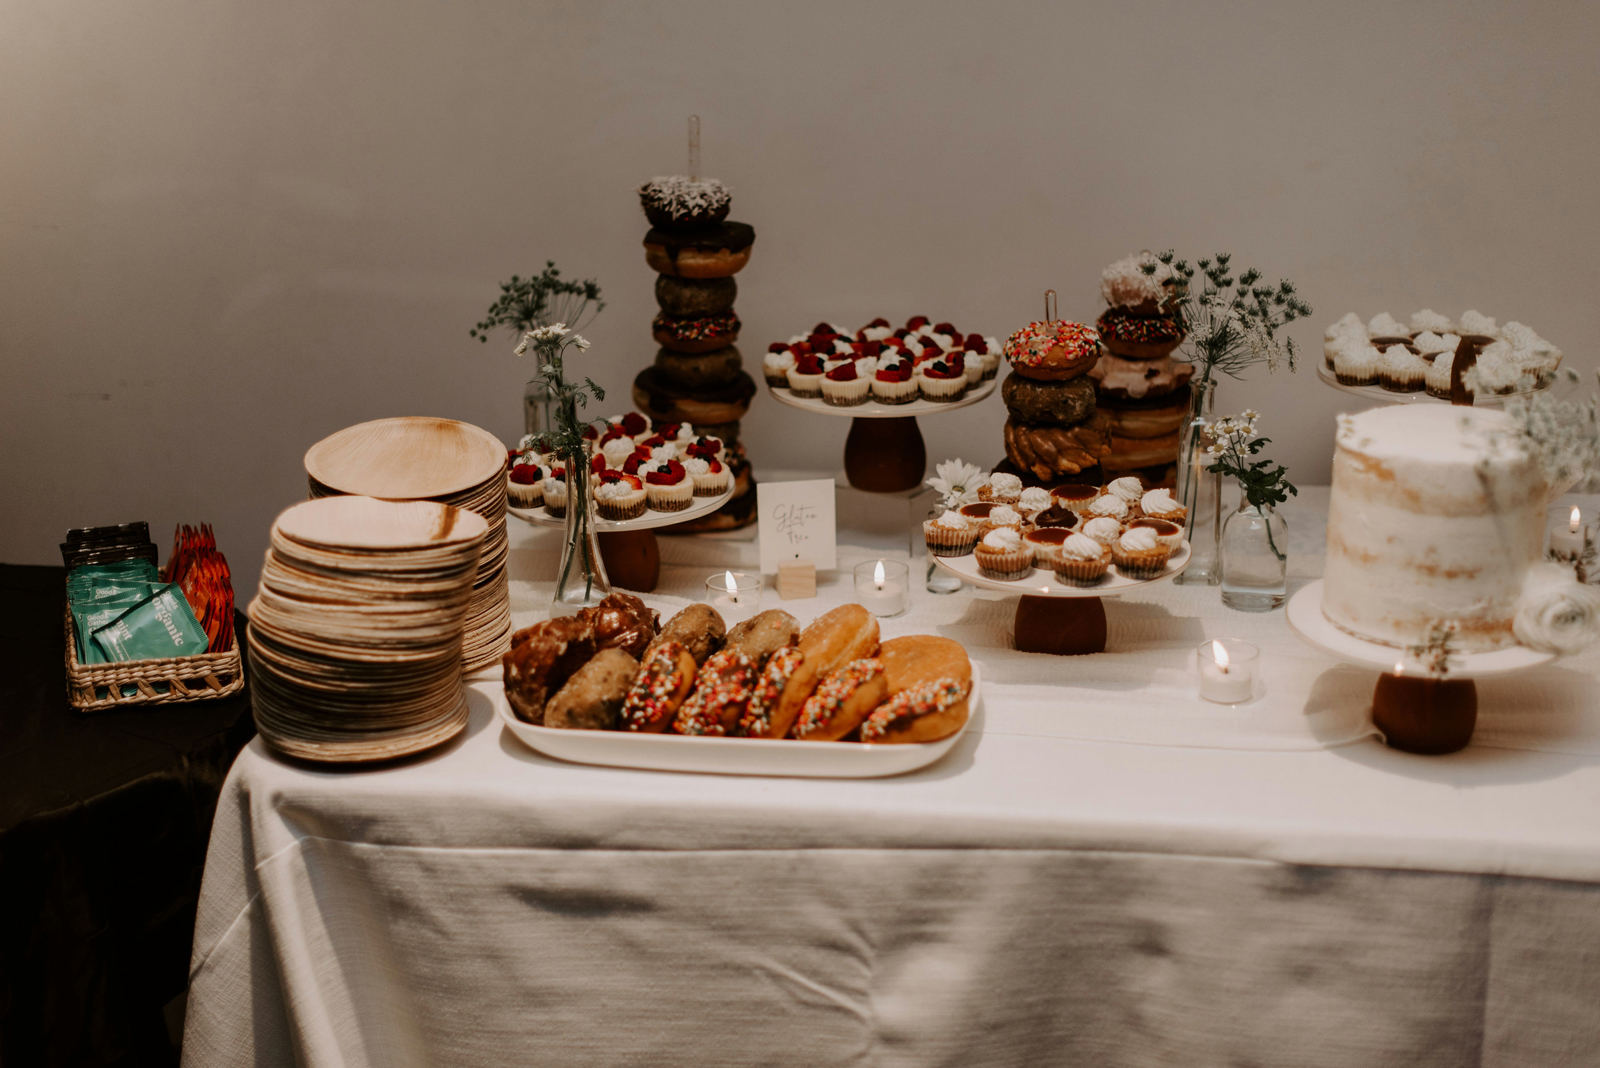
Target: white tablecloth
1105,871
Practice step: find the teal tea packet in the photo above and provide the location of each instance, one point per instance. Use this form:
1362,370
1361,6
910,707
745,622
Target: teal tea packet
90,615
161,625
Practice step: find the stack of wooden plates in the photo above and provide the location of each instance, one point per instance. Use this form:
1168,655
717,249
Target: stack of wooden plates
355,635
420,458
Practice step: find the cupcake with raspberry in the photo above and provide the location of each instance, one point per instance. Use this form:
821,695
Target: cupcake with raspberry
944,380
710,477
636,426
877,330
893,382
555,492
525,484
668,486
705,447
615,448
842,387
619,496
805,377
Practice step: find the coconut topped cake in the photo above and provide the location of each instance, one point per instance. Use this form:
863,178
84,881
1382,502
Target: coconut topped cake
1434,516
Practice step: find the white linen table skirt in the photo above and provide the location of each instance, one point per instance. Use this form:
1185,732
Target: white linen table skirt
1040,897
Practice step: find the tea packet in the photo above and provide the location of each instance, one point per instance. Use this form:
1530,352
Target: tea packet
161,625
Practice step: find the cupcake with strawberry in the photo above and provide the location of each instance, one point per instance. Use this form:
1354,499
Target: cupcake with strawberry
709,476
668,486
805,377
944,379
525,483
842,387
619,496
893,382
555,492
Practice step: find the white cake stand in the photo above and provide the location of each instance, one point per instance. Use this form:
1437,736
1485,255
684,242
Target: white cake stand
1417,712
1053,617
628,547
884,452
1379,395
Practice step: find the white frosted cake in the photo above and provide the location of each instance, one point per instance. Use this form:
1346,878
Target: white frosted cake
1432,517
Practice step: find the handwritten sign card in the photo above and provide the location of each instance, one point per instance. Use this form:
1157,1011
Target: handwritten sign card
797,523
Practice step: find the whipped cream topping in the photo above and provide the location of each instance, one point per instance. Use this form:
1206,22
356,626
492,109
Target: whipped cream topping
1033,501
1348,326
778,361
694,465
1005,485
1139,539
1158,502
1130,489
1004,539
1428,319
1475,322
617,450
1081,547
1005,515
1103,529
610,491
953,520
1109,504
1385,325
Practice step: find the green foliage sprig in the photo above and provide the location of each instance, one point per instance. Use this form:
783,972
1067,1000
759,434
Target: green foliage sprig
1233,322
552,343
528,303
1233,445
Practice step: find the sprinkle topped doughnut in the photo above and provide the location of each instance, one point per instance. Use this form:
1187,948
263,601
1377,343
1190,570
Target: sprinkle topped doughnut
1053,351
659,688
926,702
842,700
757,719
681,201
721,692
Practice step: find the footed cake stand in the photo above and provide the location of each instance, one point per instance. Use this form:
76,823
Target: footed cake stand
628,547
884,452
1419,712
1053,617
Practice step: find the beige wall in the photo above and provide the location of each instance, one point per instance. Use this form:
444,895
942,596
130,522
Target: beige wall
228,229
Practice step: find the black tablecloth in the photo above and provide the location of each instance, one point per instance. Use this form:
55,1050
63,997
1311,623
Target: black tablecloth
104,819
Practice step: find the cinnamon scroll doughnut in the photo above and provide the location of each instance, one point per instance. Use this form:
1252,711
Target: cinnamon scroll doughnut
1048,452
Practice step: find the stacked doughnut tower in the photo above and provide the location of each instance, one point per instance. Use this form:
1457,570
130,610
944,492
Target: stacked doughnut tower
1142,393
1053,431
698,376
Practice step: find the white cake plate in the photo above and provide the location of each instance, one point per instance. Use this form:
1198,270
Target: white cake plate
1379,395
1304,613
877,410
732,756
1042,583
699,506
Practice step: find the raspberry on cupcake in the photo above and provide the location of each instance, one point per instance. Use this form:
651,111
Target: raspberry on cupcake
668,486
525,484
843,388
893,382
945,379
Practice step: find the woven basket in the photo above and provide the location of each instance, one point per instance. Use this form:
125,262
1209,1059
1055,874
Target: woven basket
188,678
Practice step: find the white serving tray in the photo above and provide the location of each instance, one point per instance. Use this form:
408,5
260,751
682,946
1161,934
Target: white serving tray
732,756
1043,583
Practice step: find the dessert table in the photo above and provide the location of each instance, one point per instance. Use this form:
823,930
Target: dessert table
1105,871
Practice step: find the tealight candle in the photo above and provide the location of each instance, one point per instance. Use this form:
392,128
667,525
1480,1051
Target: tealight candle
1568,528
882,586
1227,670
735,595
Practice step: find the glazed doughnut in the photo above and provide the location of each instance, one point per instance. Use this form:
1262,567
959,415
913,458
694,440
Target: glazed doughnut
1051,403
1053,351
666,401
681,201
698,628
659,688
1146,417
920,658
541,660
621,621
767,691
1136,337
764,634
841,701
592,699
704,334
1049,452
1134,379
833,639
1141,283
691,297
715,251
1128,454
925,713
721,692
707,370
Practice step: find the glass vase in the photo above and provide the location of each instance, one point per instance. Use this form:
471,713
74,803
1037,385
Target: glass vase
1200,491
581,581
536,400
1255,559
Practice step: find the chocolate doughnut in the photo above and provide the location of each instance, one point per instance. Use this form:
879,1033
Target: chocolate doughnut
621,621
721,692
841,701
1052,451
704,334
592,698
1048,403
1139,337
924,713
677,200
690,297
1146,417
756,722
541,660
659,688
1115,376
1129,454
1056,350
716,368
668,402
762,635
715,251
698,628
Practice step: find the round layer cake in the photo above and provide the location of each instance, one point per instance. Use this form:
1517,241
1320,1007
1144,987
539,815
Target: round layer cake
1435,516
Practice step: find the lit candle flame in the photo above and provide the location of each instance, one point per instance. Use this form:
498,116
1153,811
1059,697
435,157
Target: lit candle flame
1576,515
1220,654
877,574
1399,669
732,586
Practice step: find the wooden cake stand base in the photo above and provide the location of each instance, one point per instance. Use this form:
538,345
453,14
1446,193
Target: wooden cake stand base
632,558
885,455
1063,626
1423,715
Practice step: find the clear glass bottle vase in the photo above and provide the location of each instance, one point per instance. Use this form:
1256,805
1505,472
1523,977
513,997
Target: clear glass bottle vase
1255,558
537,417
581,580
1200,491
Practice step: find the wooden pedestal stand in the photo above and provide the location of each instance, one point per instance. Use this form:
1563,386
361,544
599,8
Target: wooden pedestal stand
885,455
1417,713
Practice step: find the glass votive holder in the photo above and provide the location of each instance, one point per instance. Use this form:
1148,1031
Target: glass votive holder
1567,527
1227,670
736,595
883,587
